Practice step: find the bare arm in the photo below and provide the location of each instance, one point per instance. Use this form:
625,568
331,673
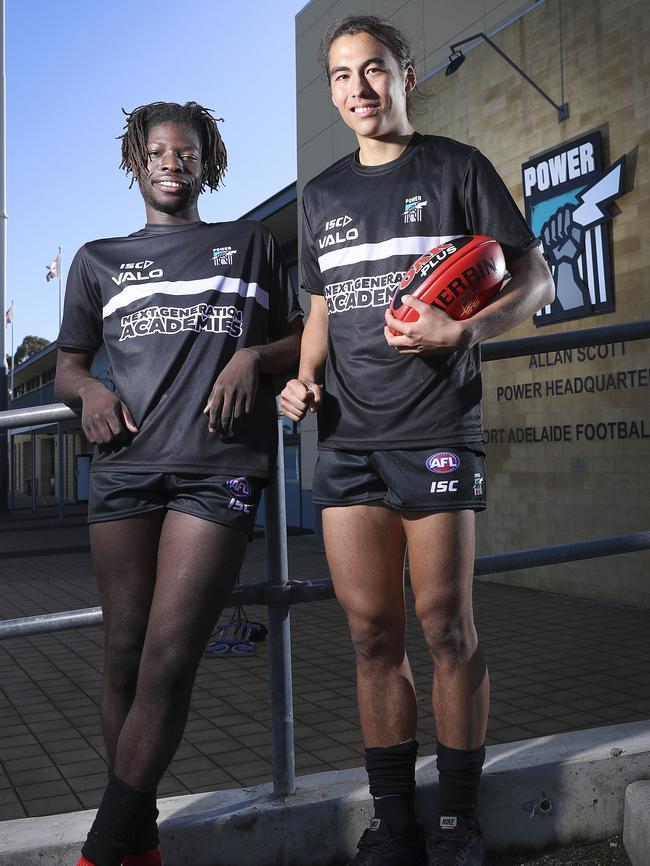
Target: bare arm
104,417
281,355
529,289
305,392
233,393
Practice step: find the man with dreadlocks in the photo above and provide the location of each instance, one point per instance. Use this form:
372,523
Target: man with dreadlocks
195,318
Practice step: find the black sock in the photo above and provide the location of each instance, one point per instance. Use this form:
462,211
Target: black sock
147,837
459,772
391,774
119,817
397,811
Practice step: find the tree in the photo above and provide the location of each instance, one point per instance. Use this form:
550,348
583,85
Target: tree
29,346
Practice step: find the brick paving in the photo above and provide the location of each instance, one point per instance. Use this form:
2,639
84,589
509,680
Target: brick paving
608,853
556,663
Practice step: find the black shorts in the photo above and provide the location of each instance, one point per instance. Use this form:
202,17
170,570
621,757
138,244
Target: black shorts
432,479
230,500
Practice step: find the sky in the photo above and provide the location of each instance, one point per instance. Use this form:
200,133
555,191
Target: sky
72,65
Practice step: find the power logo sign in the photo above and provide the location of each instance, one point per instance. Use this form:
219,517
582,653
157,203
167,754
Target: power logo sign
566,192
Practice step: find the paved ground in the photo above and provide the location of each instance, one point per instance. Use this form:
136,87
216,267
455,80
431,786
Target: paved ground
608,853
557,664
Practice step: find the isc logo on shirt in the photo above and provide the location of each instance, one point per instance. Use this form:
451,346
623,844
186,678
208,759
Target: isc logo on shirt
443,461
137,272
335,234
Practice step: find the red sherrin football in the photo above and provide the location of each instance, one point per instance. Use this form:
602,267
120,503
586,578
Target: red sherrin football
459,277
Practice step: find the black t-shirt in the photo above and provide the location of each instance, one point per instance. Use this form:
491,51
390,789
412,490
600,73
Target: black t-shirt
172,305
363,226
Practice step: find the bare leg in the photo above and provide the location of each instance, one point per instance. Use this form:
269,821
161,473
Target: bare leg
365,552
198,562
441,558
164,579
125,554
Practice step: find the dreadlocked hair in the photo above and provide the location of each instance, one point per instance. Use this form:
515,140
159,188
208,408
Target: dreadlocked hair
201,120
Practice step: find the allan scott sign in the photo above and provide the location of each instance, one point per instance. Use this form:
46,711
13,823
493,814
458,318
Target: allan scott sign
566,192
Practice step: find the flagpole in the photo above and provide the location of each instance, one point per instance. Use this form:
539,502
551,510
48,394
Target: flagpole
13,316
4,465
59,273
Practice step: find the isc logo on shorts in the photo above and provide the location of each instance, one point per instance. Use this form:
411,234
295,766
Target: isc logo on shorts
443,462
236,505
444,486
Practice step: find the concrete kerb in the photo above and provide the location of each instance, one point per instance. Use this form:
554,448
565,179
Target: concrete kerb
535,794
636,823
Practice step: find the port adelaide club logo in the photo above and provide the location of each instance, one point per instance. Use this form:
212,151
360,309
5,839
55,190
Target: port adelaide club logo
413,207
566,193
223,256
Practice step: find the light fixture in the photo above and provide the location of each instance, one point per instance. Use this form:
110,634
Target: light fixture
456,58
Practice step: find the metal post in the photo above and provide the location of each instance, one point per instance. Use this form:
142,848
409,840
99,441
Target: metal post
58,271
4,474
284,760
12,440
33,470
61,447
13,353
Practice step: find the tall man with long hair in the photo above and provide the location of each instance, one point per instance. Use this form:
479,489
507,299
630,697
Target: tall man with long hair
388,404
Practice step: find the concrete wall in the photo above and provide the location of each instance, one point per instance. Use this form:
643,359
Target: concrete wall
595,481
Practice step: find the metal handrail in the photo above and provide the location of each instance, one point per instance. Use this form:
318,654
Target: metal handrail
627,332
304,591
34,415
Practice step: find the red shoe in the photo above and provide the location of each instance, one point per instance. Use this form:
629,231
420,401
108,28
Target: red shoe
142,858
83,862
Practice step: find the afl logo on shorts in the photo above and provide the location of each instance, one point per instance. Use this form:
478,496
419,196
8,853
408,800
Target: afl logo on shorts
443,461
240,486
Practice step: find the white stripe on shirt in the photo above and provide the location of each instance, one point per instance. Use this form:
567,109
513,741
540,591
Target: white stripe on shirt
383,250
219,283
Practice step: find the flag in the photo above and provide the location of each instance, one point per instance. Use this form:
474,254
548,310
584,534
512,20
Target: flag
9,315
54,268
